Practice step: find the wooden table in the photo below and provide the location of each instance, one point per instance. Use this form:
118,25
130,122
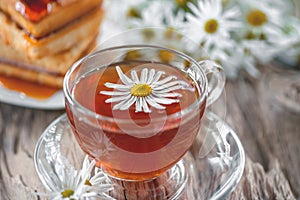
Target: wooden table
268,126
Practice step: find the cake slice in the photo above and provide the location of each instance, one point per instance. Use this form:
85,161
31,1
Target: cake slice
41,17
48,70
58,41
45,58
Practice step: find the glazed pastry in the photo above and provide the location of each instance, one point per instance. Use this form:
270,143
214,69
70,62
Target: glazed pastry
48,70
41,17
45,58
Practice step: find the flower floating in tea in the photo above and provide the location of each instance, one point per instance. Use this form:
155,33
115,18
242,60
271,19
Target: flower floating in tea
148,90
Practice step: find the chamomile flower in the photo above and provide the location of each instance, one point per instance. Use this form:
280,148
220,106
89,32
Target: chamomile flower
248,61
79,185
261,50
153,15
214,24
148,90
174,21
260,18
238,56
289,37
122,15
209,24
289,41
285,6
69,187
98,183
229,59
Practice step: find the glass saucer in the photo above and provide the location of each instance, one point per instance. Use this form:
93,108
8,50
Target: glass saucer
214,164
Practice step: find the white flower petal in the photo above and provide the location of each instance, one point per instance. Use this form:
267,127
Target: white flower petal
125,104
117,86
128,103
163,100
170,84
232,13
152,102
134,77
114,93
98,177
58,197
173,94
119,105
138,105
144,75
151,76
194,9
89,194
145,106
217,7
116,99
176,87
165,80
123,77
157,76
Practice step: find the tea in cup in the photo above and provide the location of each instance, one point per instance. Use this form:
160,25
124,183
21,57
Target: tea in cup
136,113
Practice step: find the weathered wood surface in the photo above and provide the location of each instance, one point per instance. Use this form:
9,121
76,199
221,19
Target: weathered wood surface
269,132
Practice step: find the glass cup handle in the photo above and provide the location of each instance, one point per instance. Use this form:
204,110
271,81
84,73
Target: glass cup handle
216,80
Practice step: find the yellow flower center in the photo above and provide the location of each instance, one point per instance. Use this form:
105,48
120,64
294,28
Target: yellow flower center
251,36
211,26
171,33
148,34
225,2
67,193
133,55
133,12
181,2
166,56
256,18
141,90
187,64
247,51
87,182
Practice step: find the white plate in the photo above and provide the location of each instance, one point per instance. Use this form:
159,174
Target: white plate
54,102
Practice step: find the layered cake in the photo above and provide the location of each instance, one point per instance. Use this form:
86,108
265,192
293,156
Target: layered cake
41,39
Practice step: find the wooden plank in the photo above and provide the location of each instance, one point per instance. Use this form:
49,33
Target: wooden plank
280,113
19,130
258,184
272,128
268,131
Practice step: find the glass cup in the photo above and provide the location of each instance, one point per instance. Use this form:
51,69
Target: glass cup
137,109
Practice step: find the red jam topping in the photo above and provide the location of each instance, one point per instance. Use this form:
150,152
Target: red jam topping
34,10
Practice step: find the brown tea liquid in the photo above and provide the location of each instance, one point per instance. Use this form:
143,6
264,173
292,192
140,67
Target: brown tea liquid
129,144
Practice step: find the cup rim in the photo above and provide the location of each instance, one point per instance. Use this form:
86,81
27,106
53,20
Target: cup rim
86,111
